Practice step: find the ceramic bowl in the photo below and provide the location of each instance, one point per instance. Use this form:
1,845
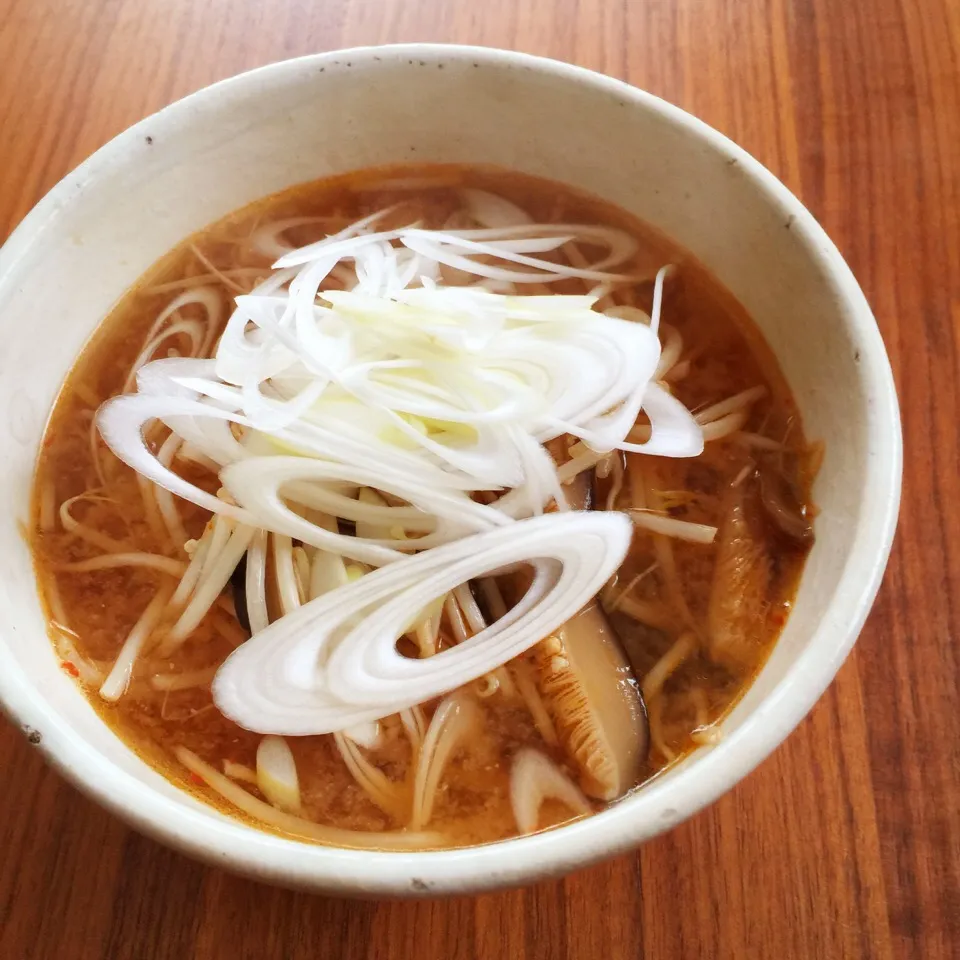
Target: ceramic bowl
90,238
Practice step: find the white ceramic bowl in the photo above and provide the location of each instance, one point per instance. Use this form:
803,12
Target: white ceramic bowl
102,226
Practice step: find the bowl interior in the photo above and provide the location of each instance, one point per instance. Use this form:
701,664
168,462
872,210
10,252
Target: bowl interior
189,165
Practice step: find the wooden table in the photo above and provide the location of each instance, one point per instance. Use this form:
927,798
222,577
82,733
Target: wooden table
846,843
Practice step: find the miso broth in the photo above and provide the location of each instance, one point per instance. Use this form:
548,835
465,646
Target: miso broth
694,619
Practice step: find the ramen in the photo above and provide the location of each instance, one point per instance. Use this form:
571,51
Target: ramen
421,507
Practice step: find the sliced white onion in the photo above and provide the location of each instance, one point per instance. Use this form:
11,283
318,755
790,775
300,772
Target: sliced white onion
415,726
441,249
368,735
673,430
277,774
256,483
206,297
492,375
621,246
316,672
347,243
283,570
455,718
327,572
121,422
535,778
255,582
391,796
388,405
489,210
268,238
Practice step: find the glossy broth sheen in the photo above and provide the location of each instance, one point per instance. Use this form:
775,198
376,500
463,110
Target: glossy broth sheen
96,609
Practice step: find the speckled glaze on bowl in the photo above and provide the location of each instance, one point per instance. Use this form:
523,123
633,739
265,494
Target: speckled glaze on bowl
89,239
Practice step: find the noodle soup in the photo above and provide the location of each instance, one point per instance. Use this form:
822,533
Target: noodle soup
458,287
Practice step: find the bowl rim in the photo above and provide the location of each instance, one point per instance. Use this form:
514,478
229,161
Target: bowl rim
227,842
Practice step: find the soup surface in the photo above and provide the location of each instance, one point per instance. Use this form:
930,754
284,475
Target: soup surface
719,544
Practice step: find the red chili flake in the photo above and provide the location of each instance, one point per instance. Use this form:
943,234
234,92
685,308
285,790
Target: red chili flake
67,667
197,779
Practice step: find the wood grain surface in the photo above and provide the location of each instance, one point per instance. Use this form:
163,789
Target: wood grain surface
846,843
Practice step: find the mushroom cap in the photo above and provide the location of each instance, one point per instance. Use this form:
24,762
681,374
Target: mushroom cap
595,703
